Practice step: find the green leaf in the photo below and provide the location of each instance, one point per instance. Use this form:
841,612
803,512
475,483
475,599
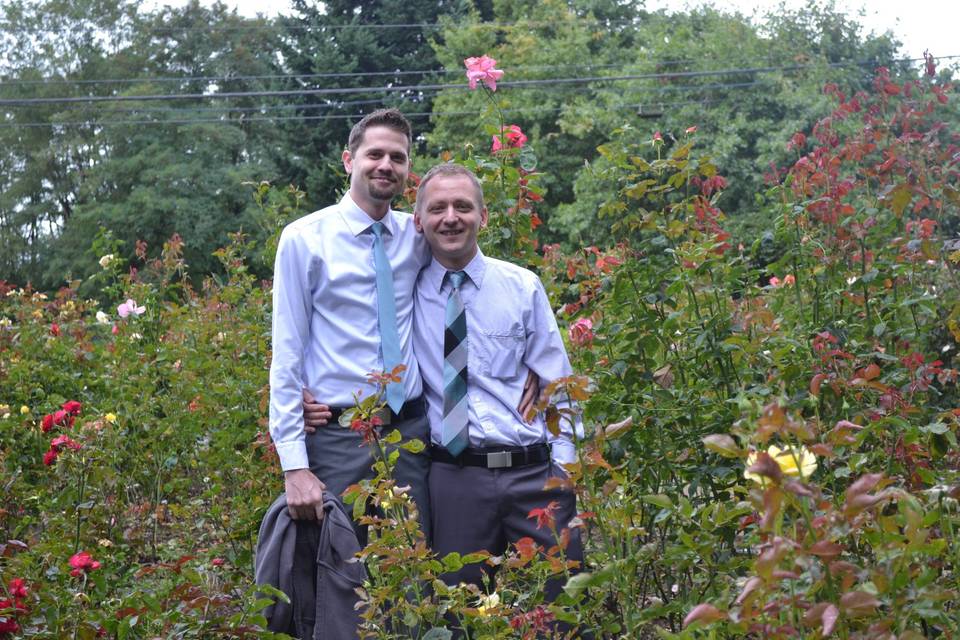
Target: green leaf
413,446
722,444
452,561
577,584
658,499
938,428
473,558
438,633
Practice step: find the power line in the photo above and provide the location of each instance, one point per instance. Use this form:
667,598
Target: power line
226,110
422,114
243,120
306,76
421,87
389,26
365,74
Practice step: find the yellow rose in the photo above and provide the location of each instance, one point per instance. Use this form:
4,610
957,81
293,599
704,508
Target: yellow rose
24,410
796,462
488,603
110,417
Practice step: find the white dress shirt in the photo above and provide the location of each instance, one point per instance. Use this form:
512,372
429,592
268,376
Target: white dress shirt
510,330
326,335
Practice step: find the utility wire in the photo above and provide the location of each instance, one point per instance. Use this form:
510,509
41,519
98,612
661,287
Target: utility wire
225,109
385,27
654,104
421,114
365,74
420,87
307,76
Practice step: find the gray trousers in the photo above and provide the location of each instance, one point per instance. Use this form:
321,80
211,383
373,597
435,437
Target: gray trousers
339,458
476,509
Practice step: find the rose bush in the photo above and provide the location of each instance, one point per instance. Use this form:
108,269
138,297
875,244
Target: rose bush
763,458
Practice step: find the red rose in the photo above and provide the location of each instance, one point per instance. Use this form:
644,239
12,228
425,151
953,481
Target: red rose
60,416
8,625
18,588
55,329
50,457
72,407
47,423
62,442
82,562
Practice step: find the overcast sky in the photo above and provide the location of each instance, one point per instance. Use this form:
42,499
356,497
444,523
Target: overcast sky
918,24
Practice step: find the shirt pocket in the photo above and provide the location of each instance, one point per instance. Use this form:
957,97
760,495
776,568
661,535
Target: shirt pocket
499,354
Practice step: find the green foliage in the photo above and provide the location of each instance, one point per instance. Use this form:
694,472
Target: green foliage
771,434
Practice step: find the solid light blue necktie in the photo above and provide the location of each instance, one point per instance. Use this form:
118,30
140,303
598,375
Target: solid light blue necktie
455,433
387,314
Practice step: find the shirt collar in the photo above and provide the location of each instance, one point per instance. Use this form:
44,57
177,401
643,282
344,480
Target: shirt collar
359,221
475,269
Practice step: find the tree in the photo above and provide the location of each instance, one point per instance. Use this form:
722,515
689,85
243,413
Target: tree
348,45
141,169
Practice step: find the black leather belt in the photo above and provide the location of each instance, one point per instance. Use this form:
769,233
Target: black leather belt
416,408
494,457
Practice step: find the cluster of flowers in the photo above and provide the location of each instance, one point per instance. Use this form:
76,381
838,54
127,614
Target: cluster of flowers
13,607
786,282
483,69
66,416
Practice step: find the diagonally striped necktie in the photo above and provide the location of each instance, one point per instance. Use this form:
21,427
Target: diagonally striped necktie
455,437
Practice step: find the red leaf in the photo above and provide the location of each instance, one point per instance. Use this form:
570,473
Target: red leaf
705,613
829,618
826,549
858,603
749,588
863,484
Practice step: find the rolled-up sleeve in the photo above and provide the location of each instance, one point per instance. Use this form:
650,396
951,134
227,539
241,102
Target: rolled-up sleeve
292,303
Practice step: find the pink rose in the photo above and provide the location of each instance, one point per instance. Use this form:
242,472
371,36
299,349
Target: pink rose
482,69
81,563
581,332
128,307
512,137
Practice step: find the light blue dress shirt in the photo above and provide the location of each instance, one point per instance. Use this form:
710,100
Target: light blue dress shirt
326,335
510,330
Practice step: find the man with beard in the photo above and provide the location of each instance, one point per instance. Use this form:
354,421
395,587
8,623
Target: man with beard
342,308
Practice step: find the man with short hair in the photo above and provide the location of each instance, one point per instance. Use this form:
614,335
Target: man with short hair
342,308
480,325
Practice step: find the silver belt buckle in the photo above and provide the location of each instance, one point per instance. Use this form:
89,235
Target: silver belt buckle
499,460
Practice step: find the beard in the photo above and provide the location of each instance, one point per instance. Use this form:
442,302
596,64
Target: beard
378,191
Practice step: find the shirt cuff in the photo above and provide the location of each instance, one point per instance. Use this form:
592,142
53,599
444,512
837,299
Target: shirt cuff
293,455
563,451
